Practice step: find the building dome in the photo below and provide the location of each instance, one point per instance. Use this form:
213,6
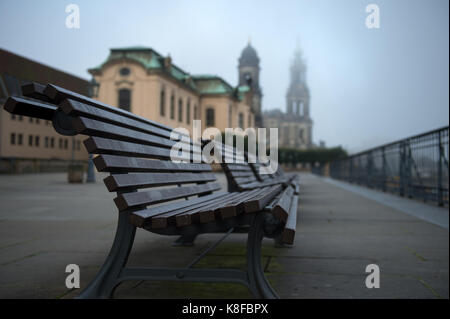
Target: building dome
249,57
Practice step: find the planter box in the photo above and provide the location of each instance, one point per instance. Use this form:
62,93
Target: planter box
75,173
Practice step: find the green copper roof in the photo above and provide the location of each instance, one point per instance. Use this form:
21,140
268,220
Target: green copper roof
152,60
211,84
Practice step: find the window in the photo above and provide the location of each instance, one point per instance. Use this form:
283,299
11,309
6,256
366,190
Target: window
13,116
172,106
19,139
61,143
124,71
241,120
180,110
300,133
286,135
31,120
36,140
38,121
13,139
20,117
125,99
162,103
52,142
188,111
46,141
195,112
66,144
30,140
210,117
230,114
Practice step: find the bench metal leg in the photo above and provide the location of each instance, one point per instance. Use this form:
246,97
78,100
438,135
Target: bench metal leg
106,280
113,271
258,281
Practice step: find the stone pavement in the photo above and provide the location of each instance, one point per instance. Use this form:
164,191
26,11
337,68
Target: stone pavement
46,224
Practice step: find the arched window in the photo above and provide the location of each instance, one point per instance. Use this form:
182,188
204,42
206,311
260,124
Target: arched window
172,106
188,111
125,99
241,120
162,102
210,117
180,110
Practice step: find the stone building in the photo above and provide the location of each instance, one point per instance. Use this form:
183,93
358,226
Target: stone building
141,80
27,144
295,125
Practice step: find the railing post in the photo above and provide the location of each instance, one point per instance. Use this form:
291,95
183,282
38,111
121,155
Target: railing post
440,194
402,168
359,169
408,173
350,174
369,169
383,169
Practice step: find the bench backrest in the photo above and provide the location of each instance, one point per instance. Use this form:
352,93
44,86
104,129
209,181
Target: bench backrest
134,150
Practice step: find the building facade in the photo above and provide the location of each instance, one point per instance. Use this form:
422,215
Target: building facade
140,80
295,125
27,144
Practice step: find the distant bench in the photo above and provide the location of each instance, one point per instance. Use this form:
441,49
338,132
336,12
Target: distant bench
166,197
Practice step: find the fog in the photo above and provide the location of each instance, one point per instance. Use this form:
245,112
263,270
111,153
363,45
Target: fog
368,86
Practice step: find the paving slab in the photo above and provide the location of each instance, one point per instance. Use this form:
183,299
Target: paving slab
46,224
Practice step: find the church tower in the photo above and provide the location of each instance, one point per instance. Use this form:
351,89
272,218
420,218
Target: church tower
297,130
249,75
297,97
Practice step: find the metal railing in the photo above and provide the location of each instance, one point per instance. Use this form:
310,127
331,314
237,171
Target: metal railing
415,167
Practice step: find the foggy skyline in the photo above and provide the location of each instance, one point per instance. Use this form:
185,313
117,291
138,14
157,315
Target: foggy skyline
368,86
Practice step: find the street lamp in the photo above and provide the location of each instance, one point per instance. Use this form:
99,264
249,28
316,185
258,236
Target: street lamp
93,87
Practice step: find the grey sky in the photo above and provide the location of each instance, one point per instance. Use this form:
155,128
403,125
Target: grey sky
368,86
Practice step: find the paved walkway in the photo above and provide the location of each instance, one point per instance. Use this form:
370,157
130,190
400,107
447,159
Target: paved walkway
46,224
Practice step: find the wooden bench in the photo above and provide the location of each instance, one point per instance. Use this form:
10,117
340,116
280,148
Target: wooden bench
253,175
161,196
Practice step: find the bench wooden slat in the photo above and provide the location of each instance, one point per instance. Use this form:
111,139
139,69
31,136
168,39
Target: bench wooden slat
236,206
186,216
75,108
122,164
281,209
241,173
35,90
136,199
269,182
258,203
30,107
288,234
237,167
120,182
143,217
96,128
59,94
100,145
230,200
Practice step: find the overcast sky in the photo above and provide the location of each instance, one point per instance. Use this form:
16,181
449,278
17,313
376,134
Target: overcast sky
368,86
